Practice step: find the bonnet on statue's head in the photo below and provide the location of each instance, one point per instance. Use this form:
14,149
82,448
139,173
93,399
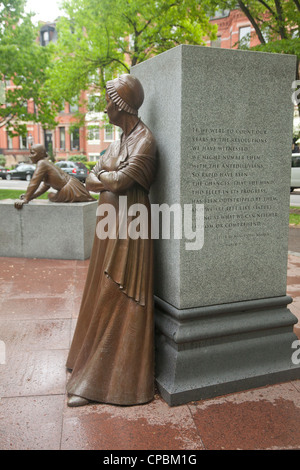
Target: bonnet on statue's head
126,92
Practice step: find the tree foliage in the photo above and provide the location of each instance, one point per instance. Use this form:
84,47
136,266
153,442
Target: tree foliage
25,63
97,40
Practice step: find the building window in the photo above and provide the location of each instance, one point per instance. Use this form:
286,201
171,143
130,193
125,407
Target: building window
108,132
94,157
221,14
62,138
216,43
93,133
63,107
244,36
75,139
2,93
45,38
48,141
9,142
23,142
74,108
93,100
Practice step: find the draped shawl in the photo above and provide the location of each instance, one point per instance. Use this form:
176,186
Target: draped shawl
127,261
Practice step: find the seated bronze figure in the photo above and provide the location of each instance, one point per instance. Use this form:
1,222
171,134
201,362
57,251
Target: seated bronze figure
46,176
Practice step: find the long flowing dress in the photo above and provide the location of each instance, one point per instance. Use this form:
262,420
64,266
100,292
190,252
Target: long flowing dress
73,191
112,352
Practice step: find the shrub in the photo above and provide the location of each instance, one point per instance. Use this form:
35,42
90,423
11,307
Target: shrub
78,158
90,165
2,160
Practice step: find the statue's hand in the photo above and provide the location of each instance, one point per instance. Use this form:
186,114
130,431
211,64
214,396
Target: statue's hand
19,203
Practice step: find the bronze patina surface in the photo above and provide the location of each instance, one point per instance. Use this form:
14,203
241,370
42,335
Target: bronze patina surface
112,352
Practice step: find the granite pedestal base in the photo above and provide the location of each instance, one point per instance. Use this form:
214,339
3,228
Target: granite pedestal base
211,351
43,229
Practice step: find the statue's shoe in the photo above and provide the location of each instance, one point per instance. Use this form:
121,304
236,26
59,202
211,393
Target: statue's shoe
77,401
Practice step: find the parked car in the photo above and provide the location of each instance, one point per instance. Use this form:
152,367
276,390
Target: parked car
3,172
24,171
77,169
295,171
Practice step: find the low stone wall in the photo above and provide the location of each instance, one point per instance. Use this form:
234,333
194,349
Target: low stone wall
43,229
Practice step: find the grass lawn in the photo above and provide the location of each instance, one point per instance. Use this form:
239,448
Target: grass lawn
295,215
15,194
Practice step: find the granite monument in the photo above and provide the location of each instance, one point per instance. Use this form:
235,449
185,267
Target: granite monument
223,125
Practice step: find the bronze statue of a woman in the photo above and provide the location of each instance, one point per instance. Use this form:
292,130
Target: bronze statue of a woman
112,352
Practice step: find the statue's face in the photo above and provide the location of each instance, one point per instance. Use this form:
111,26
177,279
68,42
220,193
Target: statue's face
35,154
111,110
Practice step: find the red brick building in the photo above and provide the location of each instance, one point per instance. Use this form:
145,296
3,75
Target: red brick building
233,27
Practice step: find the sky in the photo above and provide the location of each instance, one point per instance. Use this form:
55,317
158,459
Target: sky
45,10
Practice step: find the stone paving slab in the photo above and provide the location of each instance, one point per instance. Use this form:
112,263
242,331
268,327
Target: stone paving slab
39,303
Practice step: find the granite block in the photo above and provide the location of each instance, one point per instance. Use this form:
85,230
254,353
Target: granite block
223,121
43,229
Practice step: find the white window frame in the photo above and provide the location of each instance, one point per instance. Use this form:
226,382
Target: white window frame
21,146
111,127
93,128
60,140
245,34
94,157
72,140
9,142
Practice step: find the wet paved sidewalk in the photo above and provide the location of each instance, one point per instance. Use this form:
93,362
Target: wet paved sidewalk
39,302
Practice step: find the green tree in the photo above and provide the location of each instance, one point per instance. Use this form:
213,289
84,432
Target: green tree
25,63
2,160
78,158
97,40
